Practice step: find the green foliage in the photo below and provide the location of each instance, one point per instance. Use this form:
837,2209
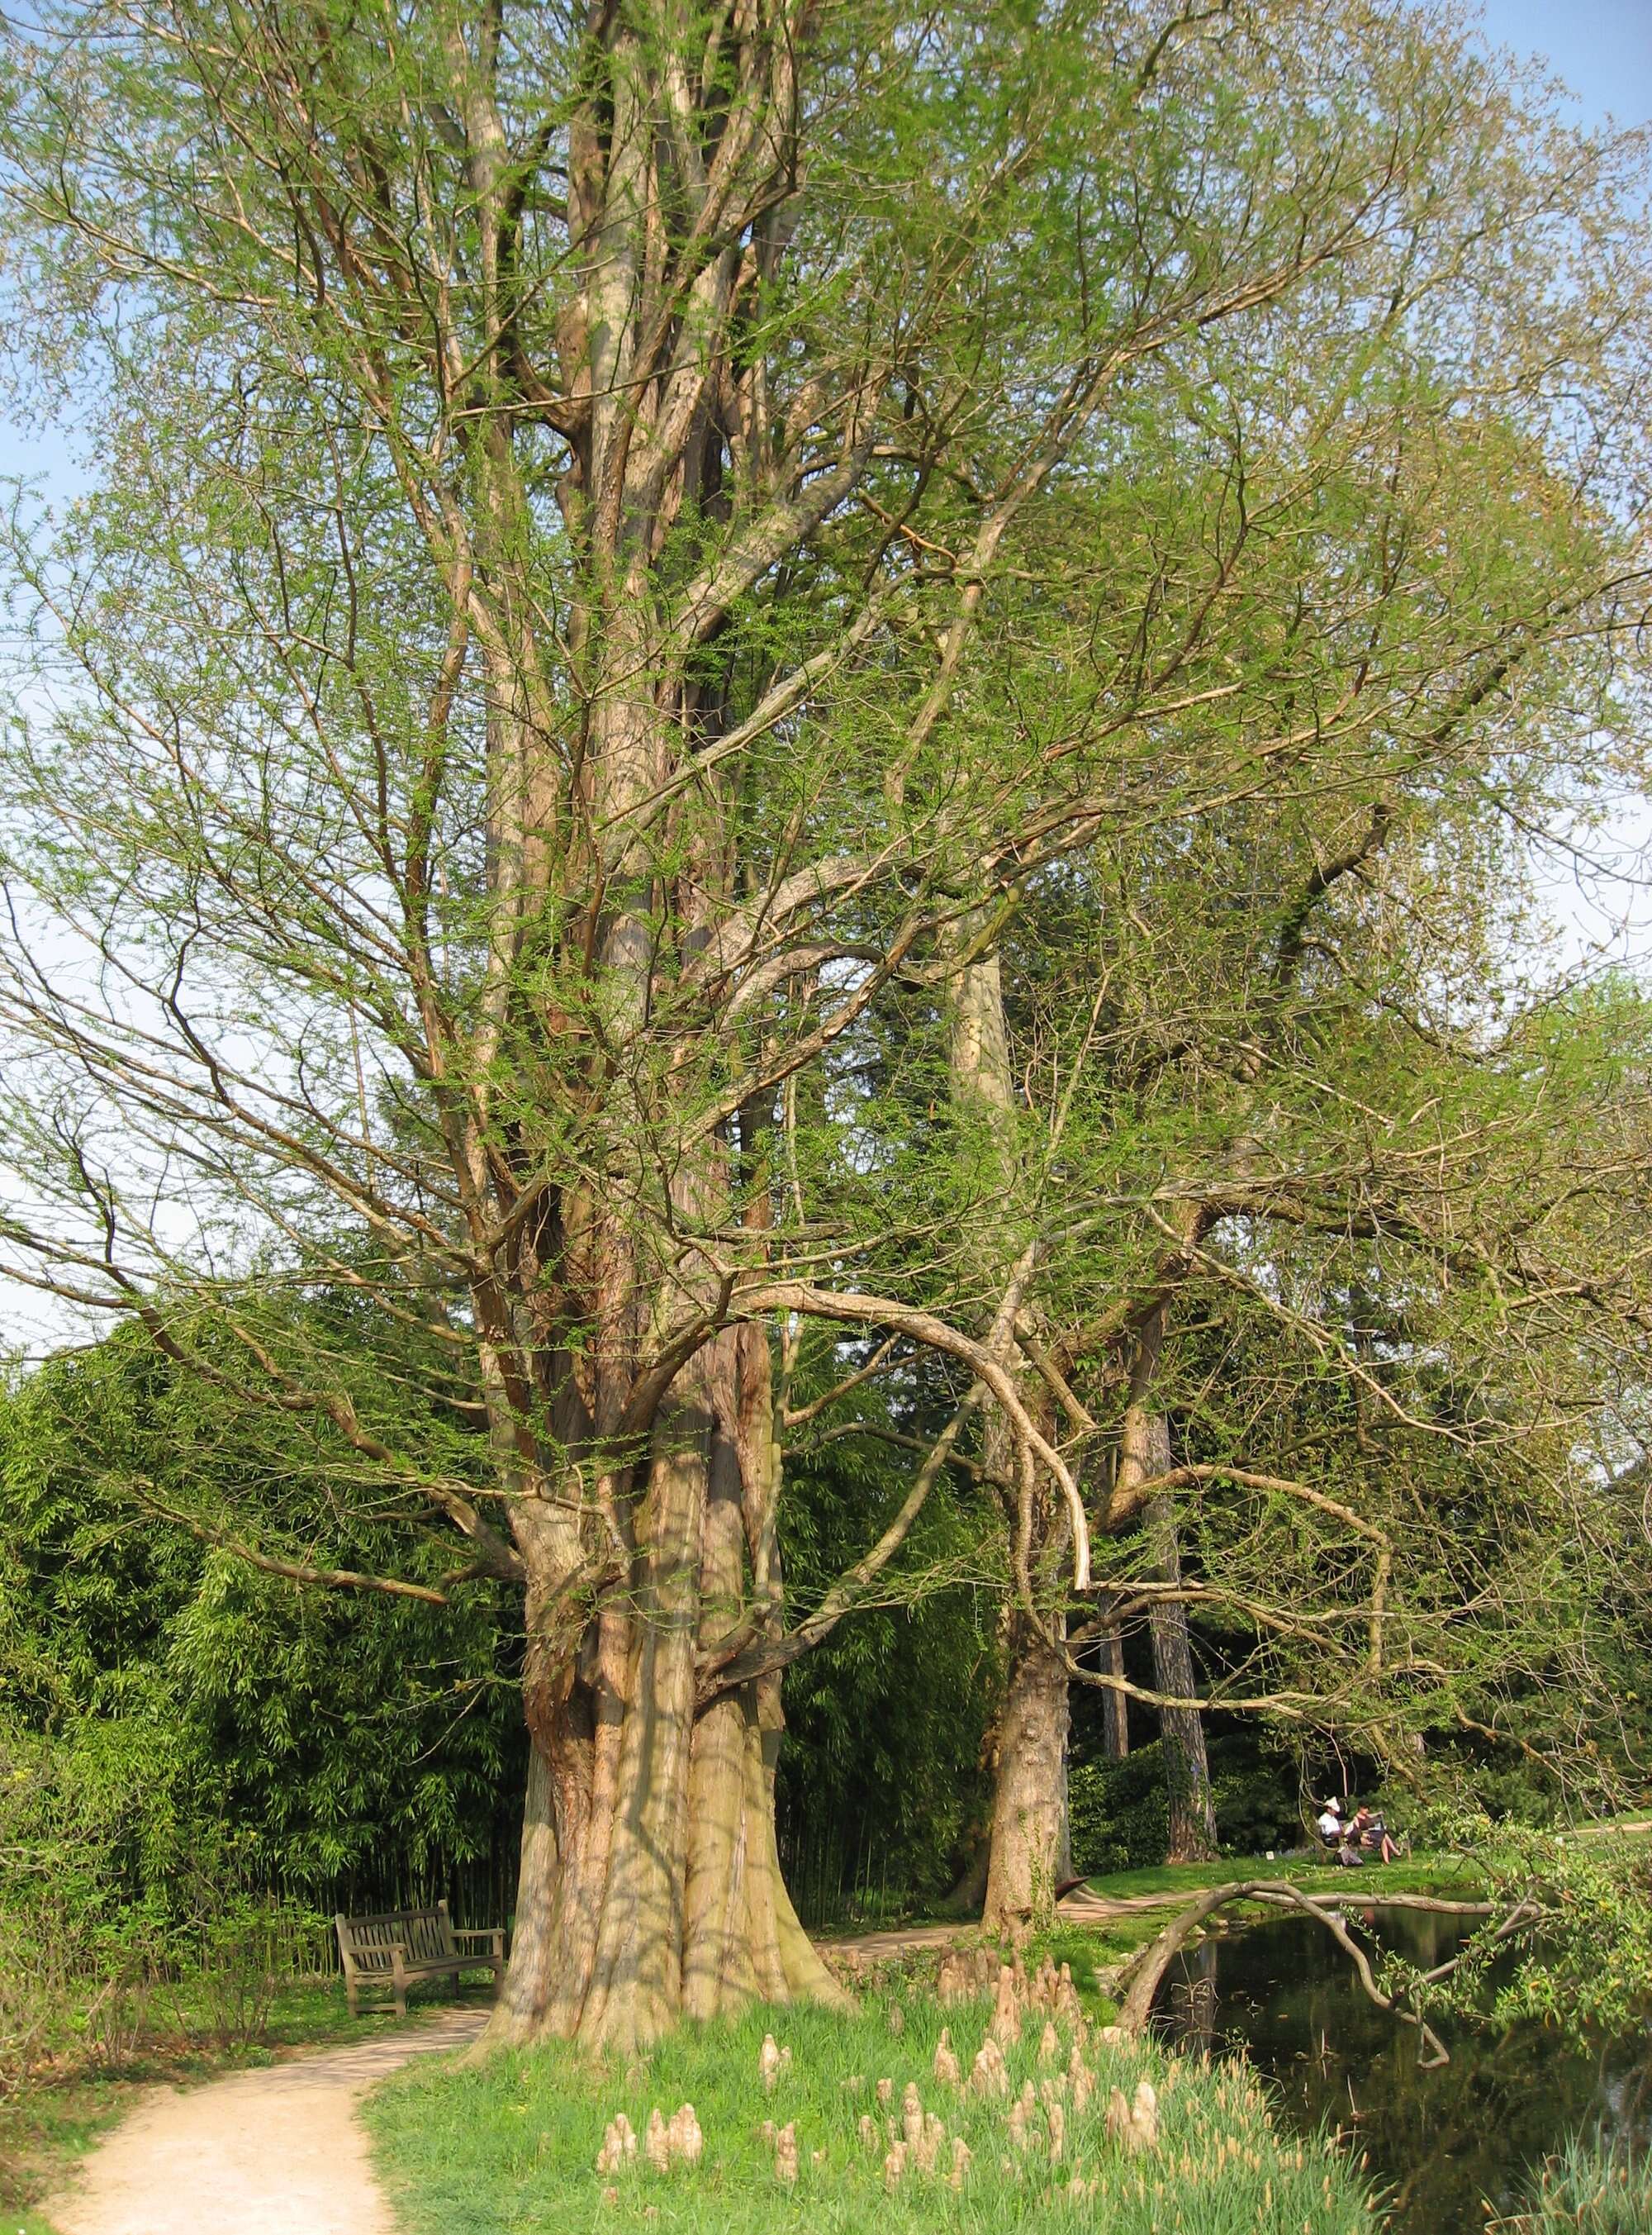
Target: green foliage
561,662
881,1779
354,1743
93,1965
1468,1792
196,1757
1570,1939
1120,1812
513,2144
329,1733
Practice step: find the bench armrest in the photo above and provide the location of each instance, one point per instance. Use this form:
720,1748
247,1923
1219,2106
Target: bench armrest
493,1935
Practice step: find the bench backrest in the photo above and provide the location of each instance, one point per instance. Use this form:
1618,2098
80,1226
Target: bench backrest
424,1935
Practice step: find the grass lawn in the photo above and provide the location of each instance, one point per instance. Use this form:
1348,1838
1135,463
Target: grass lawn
1447,1874
509,2147
1451,1875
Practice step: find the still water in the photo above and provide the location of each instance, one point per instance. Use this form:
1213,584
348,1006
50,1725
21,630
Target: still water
1443,2143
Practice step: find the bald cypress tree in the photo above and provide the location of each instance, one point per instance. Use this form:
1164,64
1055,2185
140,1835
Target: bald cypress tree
629,540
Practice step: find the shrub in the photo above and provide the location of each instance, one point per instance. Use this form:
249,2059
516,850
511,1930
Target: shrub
1120,1821
1118,1815
116,1917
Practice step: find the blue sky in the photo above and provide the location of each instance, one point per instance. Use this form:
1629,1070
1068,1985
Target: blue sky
1602,48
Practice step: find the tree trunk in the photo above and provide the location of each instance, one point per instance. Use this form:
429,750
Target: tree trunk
1115,1705
1031,1849
650,1885
1181,1730
969,1892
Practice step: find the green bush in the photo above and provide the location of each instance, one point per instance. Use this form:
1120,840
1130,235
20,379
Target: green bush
116,1916
1120,1821
1255,1802
1119,1814
358,1746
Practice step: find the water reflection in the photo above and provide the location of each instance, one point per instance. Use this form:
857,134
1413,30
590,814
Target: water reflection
1442,2141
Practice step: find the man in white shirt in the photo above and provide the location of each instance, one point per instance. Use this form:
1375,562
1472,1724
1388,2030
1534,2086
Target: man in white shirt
1329,1825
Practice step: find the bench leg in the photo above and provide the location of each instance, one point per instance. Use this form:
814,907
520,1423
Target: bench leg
353,1994
399,1976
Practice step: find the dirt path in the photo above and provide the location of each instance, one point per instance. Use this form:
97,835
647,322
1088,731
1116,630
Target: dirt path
276,2151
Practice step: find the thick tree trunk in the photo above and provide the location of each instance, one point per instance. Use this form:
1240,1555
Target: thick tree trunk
1181,1730
1030,1850
644,1520
650,1885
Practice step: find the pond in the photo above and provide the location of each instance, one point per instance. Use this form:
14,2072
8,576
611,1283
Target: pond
1439,2141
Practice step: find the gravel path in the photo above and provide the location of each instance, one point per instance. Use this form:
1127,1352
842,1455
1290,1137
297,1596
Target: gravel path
275,2152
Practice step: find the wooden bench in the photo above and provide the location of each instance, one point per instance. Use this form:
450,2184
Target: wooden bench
398,1946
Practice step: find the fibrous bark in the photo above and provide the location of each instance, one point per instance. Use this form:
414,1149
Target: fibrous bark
651,1882
651,1885
1030,1851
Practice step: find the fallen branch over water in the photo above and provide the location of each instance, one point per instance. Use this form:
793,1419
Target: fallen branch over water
1146,1973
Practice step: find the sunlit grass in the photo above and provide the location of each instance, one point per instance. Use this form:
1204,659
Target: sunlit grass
1421,1873
513,2145
1426,1872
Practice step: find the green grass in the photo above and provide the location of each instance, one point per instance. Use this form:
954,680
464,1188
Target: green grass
41,2135
1094,1950
1448,1875
508,2148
